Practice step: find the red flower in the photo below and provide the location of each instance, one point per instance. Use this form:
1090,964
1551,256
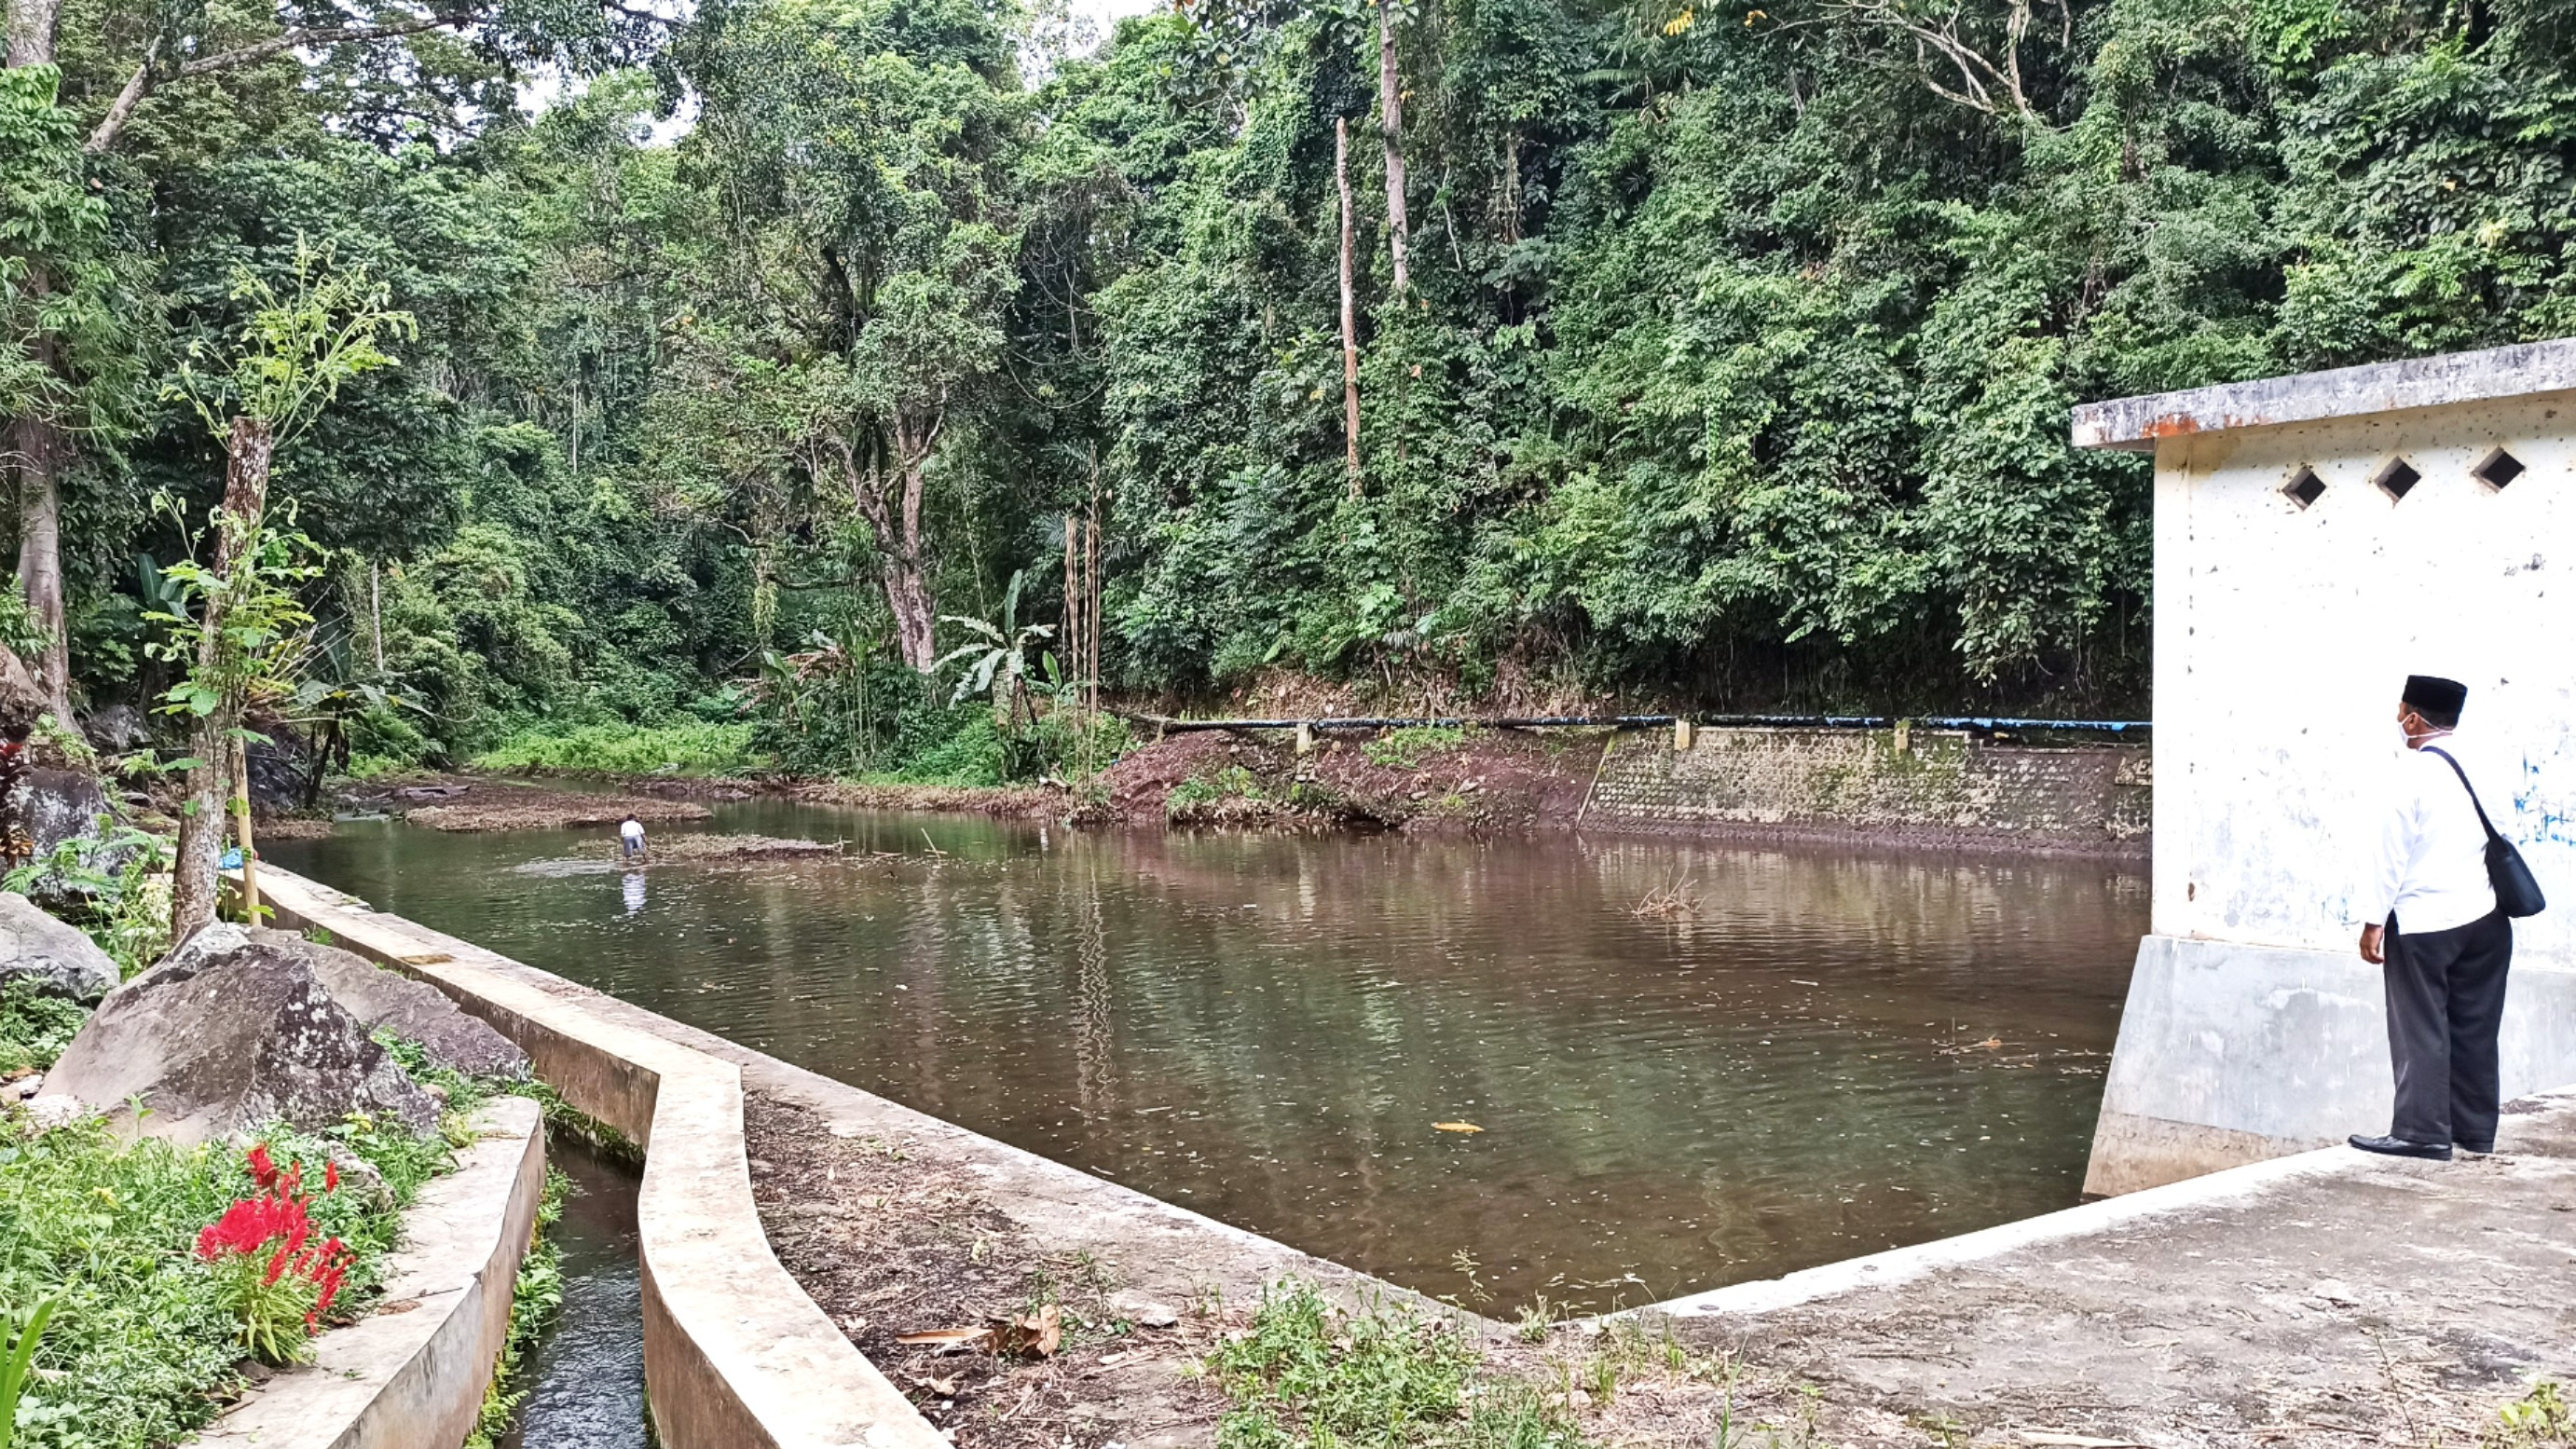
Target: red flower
278,1221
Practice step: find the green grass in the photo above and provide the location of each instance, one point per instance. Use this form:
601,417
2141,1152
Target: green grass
972,755
685,748
34,1027
1311,1375
139,1352
1412,746
1234,782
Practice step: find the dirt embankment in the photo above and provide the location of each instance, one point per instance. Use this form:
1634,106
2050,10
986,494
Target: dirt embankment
1426,781
545,810
906,1253
1009,801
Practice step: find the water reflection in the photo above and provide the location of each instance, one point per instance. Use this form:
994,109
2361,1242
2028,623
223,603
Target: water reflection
1266,1029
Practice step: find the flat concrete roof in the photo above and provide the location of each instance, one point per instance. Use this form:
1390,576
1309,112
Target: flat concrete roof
2135,423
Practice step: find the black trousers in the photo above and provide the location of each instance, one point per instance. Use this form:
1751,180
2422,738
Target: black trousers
2445,1002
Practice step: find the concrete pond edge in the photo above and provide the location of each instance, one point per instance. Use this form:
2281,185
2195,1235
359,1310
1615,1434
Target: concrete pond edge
2529,1127
413,1374
735,1352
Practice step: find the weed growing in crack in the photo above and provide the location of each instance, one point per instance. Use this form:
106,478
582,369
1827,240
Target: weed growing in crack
2538,1419
1307,1374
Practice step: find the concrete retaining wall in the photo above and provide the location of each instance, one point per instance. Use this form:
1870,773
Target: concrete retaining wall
1918,788
735,1354
413,1374
2231,1053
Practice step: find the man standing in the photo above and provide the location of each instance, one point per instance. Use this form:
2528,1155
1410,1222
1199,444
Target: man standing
630,834
2437,936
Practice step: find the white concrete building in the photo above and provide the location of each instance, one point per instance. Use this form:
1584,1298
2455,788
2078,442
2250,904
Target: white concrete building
2317,539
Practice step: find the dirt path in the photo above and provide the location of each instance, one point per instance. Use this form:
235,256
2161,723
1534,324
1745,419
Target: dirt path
892,1241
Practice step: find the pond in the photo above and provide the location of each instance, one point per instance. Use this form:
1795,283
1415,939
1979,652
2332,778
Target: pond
1818,1054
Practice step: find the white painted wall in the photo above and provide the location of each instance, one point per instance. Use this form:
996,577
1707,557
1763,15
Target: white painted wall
2283,636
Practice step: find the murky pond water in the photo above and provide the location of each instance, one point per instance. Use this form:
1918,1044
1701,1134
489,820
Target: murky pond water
1829,1054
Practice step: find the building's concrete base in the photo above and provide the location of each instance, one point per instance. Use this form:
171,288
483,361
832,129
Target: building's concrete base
2230,1054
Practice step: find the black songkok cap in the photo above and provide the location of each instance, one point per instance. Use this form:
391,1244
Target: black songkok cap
2435,698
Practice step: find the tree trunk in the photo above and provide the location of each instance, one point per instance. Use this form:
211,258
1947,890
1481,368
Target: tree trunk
41,452
1350,318
31,32
36,438
193,880
1390,120
908,595
897,523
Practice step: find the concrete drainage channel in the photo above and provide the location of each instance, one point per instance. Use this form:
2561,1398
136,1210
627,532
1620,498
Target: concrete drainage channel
735,1353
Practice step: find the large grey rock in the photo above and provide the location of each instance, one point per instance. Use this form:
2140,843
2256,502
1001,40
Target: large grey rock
117,729
59,804
228,1033
60,959
413,1010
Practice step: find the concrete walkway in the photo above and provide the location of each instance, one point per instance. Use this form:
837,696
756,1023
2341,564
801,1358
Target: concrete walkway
2329,1298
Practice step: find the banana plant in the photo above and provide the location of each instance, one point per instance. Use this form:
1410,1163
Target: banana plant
999,658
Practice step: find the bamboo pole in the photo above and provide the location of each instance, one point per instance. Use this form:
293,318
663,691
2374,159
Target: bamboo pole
1091,601
1350,315
241,832
1072,628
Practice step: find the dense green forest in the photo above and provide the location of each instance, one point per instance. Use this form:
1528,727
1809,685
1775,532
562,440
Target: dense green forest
1490,348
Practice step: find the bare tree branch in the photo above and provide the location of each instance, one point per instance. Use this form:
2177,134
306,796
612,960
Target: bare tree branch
1939,44
149,74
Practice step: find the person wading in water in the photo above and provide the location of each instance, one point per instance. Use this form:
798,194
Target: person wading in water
2437,935
630,833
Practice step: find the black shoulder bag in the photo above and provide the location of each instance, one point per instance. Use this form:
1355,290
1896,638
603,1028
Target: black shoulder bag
2516,893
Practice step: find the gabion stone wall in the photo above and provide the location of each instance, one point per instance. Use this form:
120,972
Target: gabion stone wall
1936,789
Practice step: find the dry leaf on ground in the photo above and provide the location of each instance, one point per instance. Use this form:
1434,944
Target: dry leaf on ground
1040,1333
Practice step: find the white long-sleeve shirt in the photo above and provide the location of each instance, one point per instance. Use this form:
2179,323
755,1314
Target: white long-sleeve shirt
2430,864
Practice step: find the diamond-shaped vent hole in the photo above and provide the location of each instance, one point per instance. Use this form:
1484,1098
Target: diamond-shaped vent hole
2398,479
2499,469
2304,487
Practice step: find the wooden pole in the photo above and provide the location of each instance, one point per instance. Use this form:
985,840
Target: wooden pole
1091,597
241,832
1350,315
1073,611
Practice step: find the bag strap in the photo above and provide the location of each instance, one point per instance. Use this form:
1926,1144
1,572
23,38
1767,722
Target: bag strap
2465,785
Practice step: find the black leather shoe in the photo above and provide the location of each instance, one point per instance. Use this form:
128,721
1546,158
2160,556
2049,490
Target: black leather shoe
2400,1147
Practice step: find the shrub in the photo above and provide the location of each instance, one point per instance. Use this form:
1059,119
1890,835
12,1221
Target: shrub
692,747
112,884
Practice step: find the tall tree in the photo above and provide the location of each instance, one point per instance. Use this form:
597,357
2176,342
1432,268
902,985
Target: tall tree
865,151
1390,120
289,362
